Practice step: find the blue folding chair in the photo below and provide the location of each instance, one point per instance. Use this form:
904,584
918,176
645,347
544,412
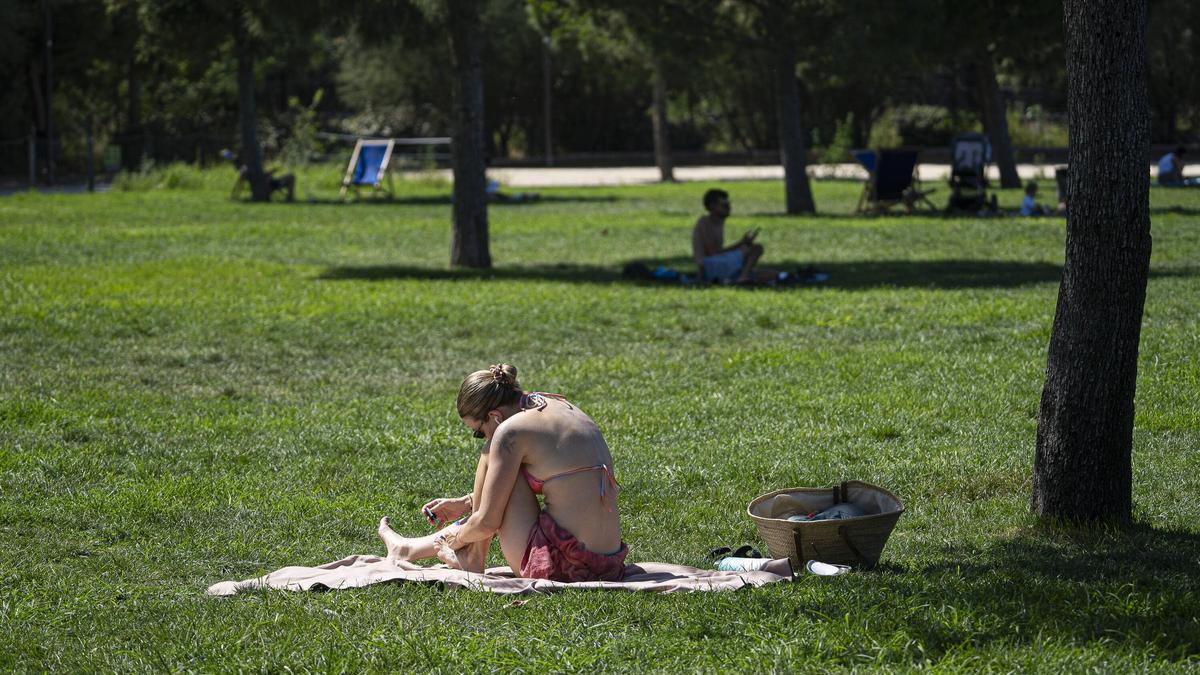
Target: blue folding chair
891,180
369,166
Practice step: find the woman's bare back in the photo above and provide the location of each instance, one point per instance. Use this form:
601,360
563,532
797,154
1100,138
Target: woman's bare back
560,438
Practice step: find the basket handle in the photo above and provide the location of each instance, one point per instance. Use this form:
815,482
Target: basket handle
797,538
845,534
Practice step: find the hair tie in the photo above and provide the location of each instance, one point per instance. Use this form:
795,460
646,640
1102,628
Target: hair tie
498,374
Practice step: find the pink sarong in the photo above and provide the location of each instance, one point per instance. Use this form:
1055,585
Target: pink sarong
554,553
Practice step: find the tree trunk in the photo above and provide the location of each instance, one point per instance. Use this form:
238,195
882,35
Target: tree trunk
1082,469
134,147
791,139
662,141
37,130
35,93
995,121
251,155
547,104
469,241
51,142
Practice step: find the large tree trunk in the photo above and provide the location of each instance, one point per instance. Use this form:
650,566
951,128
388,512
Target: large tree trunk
547,104
662,142
251,154
995,121
469,242
791,138
1082,470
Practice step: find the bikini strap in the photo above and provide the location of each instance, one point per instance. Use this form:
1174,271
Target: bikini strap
606,480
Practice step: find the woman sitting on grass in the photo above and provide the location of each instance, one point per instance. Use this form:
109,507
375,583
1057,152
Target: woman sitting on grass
574,536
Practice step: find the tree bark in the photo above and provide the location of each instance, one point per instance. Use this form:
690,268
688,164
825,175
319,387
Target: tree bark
1082,468
134,147
547,103
51,142
791,138
251,154
469,240
35,93
662,141
995,121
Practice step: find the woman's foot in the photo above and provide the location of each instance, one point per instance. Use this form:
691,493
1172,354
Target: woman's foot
398,547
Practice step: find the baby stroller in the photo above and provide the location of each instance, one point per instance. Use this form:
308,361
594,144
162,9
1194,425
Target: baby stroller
970,154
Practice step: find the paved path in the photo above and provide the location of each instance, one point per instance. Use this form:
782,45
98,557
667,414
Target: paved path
535,177
633,175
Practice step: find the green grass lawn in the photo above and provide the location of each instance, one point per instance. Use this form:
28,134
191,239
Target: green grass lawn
194,390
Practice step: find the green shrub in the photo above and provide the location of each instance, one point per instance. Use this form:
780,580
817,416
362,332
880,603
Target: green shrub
175,176
839,146
920,125
302,145
1033,128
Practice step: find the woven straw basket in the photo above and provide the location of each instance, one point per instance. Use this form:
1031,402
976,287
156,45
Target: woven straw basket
850,541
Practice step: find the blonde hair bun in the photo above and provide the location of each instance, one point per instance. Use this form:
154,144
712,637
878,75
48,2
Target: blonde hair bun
504,375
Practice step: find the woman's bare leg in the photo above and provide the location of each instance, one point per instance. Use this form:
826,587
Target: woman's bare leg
473,557
408,548
519,517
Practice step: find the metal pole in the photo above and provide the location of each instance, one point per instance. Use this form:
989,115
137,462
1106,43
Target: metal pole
32,157
91,158
49,93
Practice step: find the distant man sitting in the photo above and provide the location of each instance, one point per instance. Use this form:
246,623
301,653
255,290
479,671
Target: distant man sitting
1170,170
716,261
286,182
1170,167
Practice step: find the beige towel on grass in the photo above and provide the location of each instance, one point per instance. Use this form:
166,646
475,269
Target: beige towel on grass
357,571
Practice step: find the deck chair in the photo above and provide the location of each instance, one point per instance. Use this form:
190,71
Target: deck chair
369,166
970,154
891,181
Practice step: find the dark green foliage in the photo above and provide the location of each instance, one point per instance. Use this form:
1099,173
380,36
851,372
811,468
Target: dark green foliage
1173,57
158,79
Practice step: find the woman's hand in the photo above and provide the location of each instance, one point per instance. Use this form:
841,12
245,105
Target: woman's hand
445,510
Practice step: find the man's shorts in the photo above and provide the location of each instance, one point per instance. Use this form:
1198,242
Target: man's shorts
727,265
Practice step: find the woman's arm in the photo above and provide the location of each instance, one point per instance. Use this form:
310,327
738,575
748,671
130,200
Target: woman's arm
500,466
448,509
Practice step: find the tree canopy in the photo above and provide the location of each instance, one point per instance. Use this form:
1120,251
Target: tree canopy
160,79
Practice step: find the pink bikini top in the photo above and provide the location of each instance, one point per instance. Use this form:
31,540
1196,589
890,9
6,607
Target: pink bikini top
537,400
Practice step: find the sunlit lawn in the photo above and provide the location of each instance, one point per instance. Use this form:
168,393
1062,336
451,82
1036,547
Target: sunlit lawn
194,390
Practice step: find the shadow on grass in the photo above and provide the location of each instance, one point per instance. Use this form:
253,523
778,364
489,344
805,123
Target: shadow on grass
1174,210
842,215
846,275
843,275
900,216
560,272
1135,585
445,200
